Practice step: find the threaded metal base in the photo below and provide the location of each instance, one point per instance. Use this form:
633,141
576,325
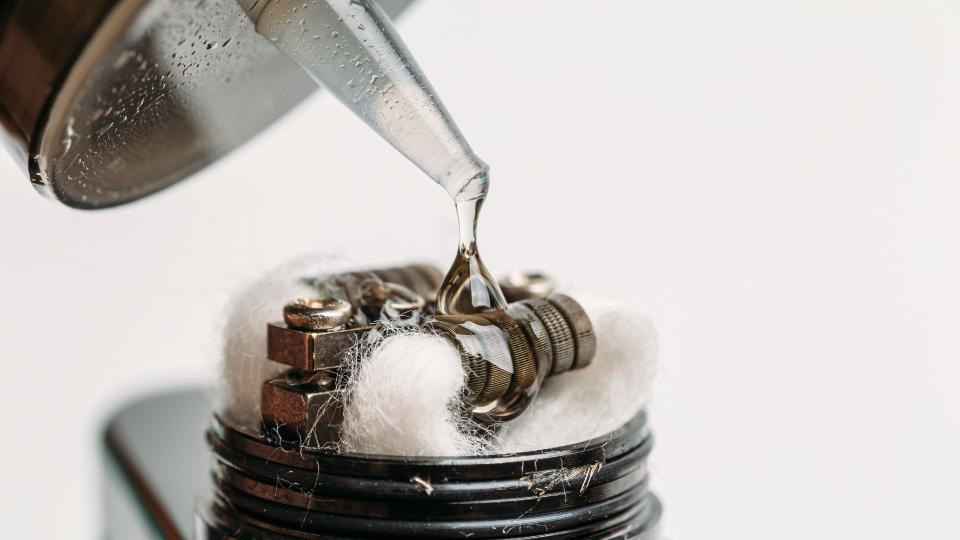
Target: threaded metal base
595,489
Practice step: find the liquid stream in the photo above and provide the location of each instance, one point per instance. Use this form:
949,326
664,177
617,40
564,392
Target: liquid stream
351,48
468,287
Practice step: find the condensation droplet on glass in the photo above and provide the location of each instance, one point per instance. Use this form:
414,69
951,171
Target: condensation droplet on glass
409,115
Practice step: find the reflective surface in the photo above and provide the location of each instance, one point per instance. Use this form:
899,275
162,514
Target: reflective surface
468,286
157,477
158,89
353,50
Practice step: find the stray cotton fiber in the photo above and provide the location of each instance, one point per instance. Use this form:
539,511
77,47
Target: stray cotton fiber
403,399
244,365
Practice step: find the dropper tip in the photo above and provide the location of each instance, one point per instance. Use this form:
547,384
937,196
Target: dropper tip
473,189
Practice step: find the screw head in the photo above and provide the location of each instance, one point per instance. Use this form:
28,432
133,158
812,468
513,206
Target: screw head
317,313
518,286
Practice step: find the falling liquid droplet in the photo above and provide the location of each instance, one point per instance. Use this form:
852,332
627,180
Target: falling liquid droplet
385,87
468,286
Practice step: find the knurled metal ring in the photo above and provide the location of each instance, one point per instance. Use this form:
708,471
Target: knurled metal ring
524,379
497,379
477,368
561,337
537,335
583,336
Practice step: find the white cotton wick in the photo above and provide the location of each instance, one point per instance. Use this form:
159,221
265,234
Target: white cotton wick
585,403
404,394
403,398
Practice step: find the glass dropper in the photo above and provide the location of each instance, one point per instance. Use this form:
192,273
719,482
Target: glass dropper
352,49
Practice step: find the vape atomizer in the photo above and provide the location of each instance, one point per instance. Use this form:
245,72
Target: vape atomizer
507,355
284,481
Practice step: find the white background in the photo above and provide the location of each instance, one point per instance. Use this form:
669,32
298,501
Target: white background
773,182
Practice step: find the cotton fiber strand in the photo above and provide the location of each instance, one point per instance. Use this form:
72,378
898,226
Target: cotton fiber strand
244,365
403,399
